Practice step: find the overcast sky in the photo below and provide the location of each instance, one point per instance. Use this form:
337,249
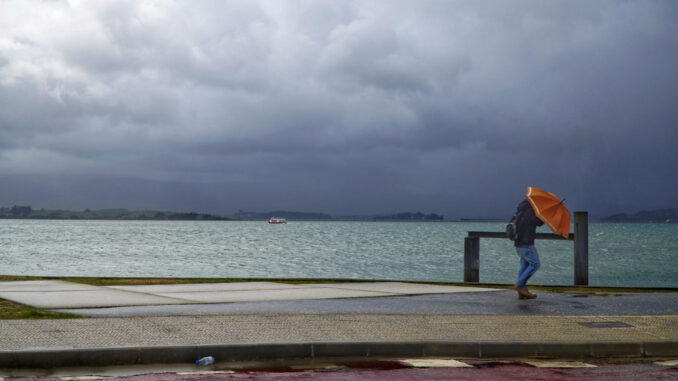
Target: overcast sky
342,107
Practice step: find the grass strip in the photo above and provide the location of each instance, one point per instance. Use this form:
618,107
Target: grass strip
12,311
122,281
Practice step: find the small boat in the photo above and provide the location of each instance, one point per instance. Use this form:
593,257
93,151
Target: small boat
277,220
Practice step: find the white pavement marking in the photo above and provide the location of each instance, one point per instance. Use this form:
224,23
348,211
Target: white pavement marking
435,363
560,364
204,372
79,378
667,362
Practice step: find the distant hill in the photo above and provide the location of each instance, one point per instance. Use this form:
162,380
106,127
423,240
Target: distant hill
293,216
407,216
659,215
26,212
304,216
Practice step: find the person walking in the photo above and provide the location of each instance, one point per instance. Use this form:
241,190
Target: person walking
526,223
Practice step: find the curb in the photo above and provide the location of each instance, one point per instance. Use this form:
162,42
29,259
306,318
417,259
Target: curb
53,358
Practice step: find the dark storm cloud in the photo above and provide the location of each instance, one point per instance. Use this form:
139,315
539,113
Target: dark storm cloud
342,107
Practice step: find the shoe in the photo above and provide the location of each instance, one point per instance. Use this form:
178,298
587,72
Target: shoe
524,293
531,295
520,296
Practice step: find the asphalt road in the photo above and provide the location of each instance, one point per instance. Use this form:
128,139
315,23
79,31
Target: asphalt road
397,370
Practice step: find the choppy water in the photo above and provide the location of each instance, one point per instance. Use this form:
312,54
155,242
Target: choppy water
619,254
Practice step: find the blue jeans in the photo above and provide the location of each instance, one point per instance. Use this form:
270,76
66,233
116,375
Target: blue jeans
529,264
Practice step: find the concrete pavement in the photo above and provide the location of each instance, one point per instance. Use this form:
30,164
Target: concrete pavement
498,302
56,294
269,320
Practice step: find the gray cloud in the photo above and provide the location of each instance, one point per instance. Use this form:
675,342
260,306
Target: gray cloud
342,107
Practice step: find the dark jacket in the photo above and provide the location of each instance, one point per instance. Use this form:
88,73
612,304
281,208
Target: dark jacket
526,225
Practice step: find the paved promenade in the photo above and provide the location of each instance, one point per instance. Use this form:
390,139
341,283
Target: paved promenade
267,320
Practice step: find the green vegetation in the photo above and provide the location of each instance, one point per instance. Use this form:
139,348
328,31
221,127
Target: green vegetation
114,281
152,281
10,310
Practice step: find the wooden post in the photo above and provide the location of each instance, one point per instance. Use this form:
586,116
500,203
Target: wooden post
471,259
581,248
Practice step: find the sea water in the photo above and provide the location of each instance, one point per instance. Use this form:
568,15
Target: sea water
619,254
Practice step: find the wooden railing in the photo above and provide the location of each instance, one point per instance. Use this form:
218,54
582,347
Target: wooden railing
581,249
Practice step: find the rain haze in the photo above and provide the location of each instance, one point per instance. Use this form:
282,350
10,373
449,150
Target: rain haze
340,107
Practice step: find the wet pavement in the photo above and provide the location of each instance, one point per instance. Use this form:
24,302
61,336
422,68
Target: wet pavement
501,302
271,321
329,298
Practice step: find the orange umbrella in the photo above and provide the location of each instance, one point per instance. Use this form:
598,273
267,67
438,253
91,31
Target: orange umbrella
550,209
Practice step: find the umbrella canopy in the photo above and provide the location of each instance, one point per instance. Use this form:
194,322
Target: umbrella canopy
550,209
